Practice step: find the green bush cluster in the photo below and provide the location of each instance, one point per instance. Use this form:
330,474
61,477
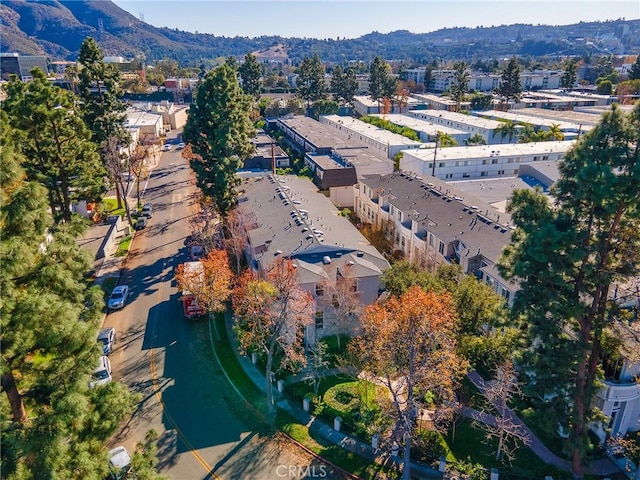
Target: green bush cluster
387,125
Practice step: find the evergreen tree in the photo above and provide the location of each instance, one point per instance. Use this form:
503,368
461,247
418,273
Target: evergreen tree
251,76
54,426
567,257
344,84
219,131
57,145
460,86
634,73
569,75
310,81
100,91
510,85
379,83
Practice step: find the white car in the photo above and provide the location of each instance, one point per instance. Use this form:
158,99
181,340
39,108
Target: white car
102,374
180,146
119,463
118,297
166,147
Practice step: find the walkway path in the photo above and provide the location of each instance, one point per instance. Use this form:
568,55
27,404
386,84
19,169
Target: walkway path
601,467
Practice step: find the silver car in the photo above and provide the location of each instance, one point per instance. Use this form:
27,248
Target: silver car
102,374
118,297
107,338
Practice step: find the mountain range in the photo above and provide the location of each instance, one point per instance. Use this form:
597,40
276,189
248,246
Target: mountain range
57,28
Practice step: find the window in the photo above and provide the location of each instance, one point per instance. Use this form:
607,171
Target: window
320,320
466,175
510,160
448,175
483,174
494,161
441,248
545,157
441,165
485,161
466,163
500,172
319,290
536,158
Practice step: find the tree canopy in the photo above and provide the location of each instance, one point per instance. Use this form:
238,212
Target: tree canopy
310,82
567,257
219,130
510,86
344,84
251,75
460,86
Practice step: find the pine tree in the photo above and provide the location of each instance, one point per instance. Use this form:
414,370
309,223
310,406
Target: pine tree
57,145
510,85
54,426
569,75
379,80
251,76
567,258
219,131
310,81
634,73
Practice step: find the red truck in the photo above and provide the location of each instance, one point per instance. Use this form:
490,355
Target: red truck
192,309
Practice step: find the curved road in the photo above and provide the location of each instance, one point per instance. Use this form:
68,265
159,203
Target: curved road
168,360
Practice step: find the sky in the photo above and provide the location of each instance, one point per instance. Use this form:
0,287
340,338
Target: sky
353,18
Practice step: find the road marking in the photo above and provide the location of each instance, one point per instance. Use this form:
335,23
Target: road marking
156,387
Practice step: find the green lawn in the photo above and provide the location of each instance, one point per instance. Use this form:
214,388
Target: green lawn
123,247
109,206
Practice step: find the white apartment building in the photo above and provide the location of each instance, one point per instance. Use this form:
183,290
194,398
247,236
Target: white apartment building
467,123
481,161
571,130
432,223
387,144
365,105
427,131
441,80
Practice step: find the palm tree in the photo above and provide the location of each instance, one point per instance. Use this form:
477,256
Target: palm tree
554,132
475,139
507,129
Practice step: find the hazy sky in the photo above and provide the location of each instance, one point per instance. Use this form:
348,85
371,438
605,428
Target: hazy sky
353,18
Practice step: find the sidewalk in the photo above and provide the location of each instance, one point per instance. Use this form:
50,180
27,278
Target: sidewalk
317,426
603,467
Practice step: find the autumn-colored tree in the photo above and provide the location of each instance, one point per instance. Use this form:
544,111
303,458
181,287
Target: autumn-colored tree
271,313
409,345
210,286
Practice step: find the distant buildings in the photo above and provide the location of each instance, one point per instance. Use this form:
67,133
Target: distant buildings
21,65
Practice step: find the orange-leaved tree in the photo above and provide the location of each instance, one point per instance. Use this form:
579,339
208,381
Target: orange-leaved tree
271,313
211,285
408,344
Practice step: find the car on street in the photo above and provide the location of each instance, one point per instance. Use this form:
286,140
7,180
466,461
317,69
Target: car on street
118,297
119,463
107,338
147,210
166,147
141,222
180,146
102,374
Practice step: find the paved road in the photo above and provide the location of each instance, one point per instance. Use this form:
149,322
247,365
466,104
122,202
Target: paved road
168,360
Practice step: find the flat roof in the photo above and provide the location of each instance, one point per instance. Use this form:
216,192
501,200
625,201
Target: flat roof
458,117
419,124
534,120
487,151
367,101
141,117
375,133
564,115
320,135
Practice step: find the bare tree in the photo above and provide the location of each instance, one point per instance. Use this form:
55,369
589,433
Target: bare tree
506,430
236,239
114,161
337,293
318,365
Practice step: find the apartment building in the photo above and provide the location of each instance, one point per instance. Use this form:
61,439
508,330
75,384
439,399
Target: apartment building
441,80
570,130
481,161
467,123
289,218
426,130
385,143
431,223
365,105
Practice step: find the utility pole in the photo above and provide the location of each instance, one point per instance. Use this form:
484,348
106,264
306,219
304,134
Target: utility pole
273,157
435,153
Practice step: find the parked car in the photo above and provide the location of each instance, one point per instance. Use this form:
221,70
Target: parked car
102,374
141,222
147,210
118,297
166,147
180,146
107,338
119,463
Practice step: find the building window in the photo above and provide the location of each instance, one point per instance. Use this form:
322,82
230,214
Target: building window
320,320
483,174
500,172
466,175
485,161
494,161
441,248
319,290
448,175
536,158
466,163
510,160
